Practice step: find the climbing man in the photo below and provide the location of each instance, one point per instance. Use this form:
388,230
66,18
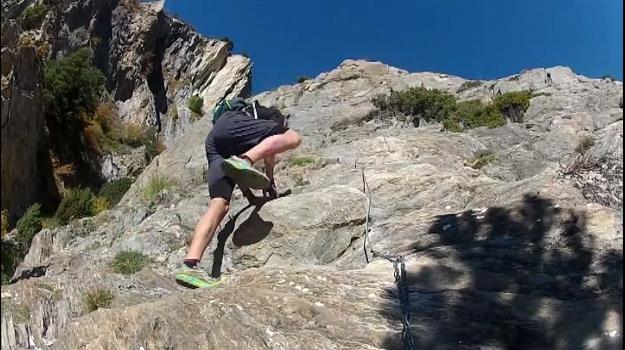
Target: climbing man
241,137
548,79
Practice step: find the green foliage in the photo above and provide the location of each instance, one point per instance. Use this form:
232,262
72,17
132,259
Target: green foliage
514,104
129,262
114,190
469,84
153,147
9,254
33,16
76,204
5,277
132,135
97,298
72,87
415,104
302,160
51,222
195,104
173,111
28,225
474,114
155,185
481,159
418,103
99,204
584,144
302,79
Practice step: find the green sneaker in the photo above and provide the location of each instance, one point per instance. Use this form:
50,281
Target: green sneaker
244,174
195,277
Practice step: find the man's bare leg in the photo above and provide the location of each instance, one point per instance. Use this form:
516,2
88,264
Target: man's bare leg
274,145
205,229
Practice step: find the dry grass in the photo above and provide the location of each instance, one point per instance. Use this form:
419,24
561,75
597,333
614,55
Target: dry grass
107,116
5,222
96,299
68,169
481,159
93,136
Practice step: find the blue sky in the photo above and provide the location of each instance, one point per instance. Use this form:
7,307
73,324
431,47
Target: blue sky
477,39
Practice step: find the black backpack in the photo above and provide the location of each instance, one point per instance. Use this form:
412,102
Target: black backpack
268,113
253,110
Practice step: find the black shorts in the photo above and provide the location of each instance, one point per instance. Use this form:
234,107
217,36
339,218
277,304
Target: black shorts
233,134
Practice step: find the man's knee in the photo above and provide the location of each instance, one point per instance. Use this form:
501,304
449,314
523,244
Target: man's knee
294,138
219,206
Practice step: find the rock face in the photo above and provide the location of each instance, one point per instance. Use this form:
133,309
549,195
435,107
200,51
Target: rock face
153,64
525,253
25,164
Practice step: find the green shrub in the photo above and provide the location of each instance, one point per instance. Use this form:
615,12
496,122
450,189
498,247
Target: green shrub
133,135
514,104
155,185
99,204
97,298
129,262
481,159
302,160
114,190
153,148
51,222
9,254
302,79
72,87
418,103
33,16
584,144
195,104
28,225
474,114
76,204
469,84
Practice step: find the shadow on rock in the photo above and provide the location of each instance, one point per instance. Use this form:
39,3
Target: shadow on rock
222,237
527,277
252,230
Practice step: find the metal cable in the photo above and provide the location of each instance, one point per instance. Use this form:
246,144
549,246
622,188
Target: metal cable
399,266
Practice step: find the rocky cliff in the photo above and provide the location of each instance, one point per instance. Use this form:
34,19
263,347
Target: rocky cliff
524,253
25,161
153,63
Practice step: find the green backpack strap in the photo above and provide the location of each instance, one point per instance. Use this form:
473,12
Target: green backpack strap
225,105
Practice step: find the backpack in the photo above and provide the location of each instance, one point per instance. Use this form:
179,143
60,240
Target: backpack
223,106
268,113
254,110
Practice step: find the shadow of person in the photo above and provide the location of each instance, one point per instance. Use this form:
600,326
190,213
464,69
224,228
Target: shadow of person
222,237
252,230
